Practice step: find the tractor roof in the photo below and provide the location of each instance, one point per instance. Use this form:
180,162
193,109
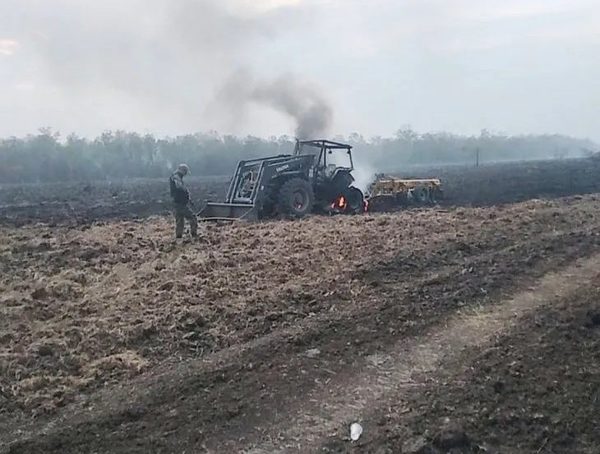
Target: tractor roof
321,143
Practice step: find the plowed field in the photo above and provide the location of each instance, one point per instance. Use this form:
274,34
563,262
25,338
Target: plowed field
457,329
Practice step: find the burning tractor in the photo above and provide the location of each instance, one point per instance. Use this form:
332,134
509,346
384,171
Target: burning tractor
317,177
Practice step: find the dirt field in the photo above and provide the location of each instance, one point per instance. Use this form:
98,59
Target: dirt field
442,330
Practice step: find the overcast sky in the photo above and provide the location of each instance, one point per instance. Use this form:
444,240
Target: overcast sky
160,66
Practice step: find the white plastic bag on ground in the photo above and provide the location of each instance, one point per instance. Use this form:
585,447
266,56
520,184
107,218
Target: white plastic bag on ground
355,431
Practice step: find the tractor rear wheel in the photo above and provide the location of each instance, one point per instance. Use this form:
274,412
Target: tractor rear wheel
296,198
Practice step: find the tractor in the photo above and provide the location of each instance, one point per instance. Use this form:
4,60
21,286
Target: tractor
316,178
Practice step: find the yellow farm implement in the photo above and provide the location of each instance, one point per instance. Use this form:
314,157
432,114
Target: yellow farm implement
388,193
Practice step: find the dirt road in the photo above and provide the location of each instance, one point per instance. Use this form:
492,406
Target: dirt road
436,330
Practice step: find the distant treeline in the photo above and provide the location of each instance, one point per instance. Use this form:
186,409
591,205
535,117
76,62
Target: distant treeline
46,157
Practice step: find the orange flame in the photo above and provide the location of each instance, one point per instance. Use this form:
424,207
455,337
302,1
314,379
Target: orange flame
340,203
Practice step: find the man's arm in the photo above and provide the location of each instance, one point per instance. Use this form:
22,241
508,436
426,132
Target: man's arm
178,181
179,192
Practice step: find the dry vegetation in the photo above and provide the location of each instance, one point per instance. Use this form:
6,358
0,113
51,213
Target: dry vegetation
83,307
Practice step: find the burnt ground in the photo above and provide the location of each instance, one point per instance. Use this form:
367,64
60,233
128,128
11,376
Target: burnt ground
514,181
489,184
276,336
80,203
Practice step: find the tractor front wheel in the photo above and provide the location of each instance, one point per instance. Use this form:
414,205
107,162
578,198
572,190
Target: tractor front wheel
296,198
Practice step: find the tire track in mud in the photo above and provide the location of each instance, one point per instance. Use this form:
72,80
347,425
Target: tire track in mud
533,388
393,315
238,391
350,397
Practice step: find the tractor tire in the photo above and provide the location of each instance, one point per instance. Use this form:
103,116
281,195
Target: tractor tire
420,196
401,200
381,203
355,199
296,198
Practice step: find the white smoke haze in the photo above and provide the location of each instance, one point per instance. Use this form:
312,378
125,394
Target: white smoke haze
364,173
518,66
8,46
159,61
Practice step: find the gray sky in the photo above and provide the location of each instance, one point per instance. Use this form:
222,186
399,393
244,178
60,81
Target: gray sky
516,66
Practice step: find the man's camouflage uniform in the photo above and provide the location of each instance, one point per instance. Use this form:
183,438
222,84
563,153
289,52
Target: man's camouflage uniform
181,202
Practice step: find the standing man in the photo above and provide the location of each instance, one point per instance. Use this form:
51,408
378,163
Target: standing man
181,202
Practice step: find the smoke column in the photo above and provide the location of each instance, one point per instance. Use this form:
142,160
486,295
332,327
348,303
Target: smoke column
302,102
286,94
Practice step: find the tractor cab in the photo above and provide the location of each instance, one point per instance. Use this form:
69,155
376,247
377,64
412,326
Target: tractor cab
332,172
330,156
332,161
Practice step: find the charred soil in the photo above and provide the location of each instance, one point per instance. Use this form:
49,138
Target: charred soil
488,184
